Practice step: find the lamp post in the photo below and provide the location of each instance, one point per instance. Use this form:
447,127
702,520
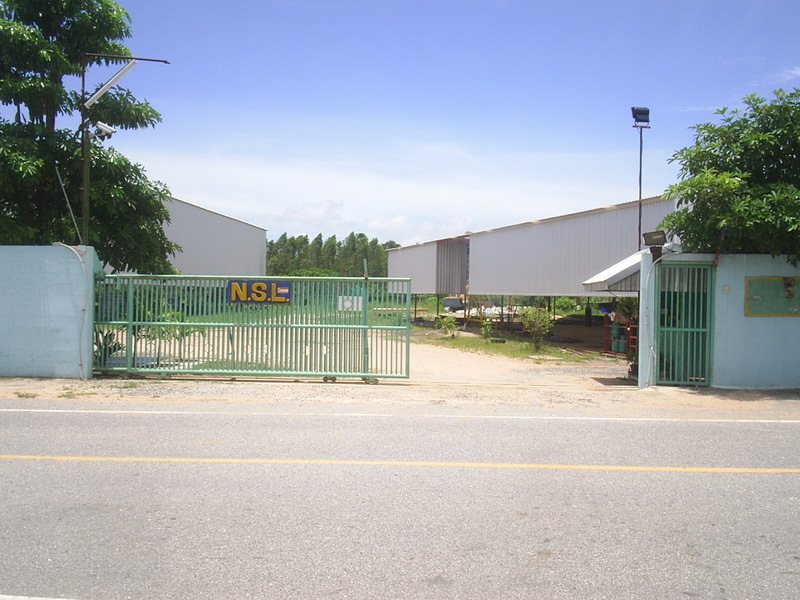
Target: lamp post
641,120
105,129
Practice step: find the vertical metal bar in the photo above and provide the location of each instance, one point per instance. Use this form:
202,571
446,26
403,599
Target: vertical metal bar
129,346
365,324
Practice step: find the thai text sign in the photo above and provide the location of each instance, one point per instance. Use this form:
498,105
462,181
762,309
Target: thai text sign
772,297
259,291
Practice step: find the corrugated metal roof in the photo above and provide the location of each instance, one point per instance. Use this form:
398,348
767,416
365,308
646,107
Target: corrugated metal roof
447,239
213,212
602,209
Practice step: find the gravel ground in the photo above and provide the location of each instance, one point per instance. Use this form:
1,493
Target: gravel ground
439,376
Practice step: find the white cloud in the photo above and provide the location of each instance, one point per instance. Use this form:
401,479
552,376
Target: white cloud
790,74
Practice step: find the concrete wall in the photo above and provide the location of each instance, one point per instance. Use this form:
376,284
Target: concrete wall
748,352
46,311
214,244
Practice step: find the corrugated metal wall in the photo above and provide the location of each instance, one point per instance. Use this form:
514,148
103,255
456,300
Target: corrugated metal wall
438,267
417,262
554,256
214,244
452,266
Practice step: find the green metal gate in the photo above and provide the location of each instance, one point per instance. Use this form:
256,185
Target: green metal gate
348,327
684,308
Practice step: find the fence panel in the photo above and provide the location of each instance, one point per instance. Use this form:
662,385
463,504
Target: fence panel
344,327
684,300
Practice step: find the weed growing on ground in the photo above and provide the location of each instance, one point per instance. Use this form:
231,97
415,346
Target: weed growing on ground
514,346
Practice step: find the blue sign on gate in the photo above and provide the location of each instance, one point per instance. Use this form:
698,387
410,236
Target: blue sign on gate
259,291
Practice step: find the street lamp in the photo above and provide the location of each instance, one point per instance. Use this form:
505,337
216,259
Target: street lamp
105,130
641,120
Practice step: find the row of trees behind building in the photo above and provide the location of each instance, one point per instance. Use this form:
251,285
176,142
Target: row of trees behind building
297,256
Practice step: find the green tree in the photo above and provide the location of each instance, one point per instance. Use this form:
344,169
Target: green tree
280,256
295,255
315,251
740,181
329,251
41,45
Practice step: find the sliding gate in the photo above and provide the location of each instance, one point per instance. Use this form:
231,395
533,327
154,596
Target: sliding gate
683,330
348,327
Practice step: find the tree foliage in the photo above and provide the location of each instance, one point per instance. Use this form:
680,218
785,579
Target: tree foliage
740,181
41,46
295,255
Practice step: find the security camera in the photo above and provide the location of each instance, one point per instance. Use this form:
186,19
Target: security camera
103,130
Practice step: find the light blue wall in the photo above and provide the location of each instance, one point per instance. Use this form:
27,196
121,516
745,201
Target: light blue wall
747,352
752,352
46,311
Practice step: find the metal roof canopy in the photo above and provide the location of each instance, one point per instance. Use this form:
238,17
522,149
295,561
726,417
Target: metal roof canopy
620,277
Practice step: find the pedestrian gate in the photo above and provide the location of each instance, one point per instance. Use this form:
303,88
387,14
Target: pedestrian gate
683,331
344,327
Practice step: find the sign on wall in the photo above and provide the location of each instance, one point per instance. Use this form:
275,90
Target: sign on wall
772,297
259,291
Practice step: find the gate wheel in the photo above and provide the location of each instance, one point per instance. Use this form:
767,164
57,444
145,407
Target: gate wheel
370,380
329,379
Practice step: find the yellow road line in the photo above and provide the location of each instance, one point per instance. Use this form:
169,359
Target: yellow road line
405,463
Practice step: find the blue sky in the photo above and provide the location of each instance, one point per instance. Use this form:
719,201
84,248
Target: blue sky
414,120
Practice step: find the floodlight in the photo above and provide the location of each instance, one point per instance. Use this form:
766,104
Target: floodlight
107,85
640,114
655,238
103,129
641,121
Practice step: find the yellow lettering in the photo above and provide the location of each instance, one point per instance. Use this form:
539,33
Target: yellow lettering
258,291
238,291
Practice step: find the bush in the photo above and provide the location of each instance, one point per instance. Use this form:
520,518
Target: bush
447,325
536,321
565,305
486,329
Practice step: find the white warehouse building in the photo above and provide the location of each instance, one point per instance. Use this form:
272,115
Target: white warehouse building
549,257
214,244
438,267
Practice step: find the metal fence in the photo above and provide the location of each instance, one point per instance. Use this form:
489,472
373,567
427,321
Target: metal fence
683,336
344,327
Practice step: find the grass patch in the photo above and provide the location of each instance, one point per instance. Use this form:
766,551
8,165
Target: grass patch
128,385
514,347
25,394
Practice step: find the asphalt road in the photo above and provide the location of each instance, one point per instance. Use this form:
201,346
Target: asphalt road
286,499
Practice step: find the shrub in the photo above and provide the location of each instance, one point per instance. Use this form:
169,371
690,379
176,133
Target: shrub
447,325
486,329
536,321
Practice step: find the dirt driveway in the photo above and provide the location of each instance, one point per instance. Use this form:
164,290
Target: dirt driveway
439,376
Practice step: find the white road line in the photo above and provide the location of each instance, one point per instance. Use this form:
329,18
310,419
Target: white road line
2,597
390,415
